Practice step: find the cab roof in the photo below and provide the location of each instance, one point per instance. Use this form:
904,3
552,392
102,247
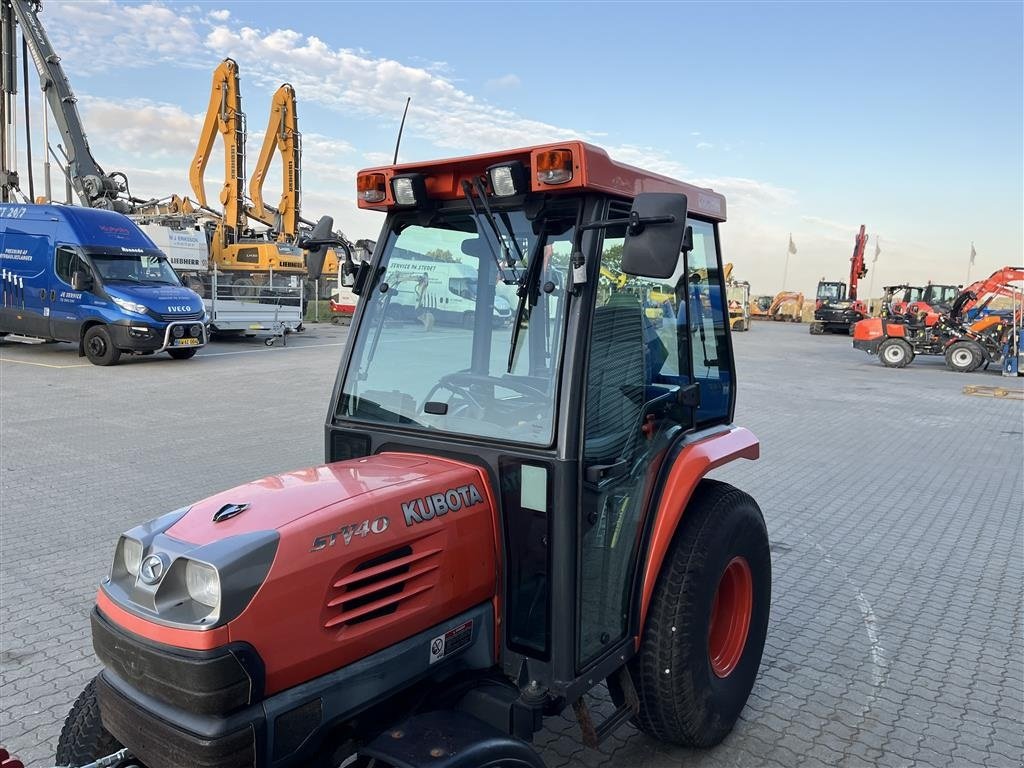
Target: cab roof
592,169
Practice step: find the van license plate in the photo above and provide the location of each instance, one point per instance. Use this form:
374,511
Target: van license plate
185,343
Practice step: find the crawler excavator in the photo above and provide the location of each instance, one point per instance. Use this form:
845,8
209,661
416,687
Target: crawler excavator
242,260
836,309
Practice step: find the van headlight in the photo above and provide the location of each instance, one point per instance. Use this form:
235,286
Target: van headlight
129,306
203,584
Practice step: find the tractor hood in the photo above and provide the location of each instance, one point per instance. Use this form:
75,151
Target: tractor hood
273,502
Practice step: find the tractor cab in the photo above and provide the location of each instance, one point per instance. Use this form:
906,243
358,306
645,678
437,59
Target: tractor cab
514,488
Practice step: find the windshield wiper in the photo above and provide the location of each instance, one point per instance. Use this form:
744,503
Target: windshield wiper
467,192
528,294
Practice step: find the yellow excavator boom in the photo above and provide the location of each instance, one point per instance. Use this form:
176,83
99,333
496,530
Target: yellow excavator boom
224,116
282,134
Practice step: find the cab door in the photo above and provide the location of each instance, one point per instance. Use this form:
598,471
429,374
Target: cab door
66,304
653,346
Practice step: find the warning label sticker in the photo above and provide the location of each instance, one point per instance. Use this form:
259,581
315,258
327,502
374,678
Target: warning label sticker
450,642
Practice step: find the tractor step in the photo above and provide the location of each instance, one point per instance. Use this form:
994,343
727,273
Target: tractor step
623,692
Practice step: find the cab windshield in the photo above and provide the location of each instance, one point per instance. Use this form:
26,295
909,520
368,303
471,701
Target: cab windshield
941,294
141,268
436,347
831,291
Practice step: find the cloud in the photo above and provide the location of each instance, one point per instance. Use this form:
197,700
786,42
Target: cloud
503,83
705,145
220,15
145,35
140,127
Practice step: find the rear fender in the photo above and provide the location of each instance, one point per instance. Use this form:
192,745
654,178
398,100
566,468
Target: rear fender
690,465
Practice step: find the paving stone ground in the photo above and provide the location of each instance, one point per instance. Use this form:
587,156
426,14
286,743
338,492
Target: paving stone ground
893,501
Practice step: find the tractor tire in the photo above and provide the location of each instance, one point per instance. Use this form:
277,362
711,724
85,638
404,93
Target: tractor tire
99,347
816,329
244,288
964,356
706,626
182,354
895,353
83,739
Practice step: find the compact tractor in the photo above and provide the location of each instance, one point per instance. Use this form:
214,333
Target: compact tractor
836,309
966,339
509,516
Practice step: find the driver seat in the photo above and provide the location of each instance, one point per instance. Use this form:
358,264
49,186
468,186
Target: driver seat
617,366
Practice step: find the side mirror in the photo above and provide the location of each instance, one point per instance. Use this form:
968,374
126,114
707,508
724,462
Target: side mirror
362,274
316,246
655,234
81,281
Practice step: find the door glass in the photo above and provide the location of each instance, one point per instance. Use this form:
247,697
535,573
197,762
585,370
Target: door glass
712,363
639,359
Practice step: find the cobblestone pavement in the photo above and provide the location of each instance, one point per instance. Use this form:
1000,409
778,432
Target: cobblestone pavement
893,502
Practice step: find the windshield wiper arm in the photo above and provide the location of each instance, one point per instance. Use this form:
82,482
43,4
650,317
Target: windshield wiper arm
510,234
467,192
527,294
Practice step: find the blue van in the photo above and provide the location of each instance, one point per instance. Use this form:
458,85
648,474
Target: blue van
93,278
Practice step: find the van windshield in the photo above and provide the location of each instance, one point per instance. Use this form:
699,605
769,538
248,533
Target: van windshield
141,268
432,348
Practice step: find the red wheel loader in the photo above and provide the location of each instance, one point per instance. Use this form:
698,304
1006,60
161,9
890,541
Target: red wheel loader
508,516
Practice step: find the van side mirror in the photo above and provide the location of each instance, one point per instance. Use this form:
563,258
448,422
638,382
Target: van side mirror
81,281
362,274
655,235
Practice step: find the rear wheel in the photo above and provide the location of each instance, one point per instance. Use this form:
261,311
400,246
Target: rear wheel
895,353
964,356
706,626
99,348
243,288
182,354
816,329
83,739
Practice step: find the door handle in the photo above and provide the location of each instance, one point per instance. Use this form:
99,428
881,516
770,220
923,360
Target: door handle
42,294
53,295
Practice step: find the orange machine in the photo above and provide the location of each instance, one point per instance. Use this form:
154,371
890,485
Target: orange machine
504,512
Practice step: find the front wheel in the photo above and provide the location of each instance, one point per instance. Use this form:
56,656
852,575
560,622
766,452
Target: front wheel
895,353
99,347
964,356
83,739
707,622
816,329
182,354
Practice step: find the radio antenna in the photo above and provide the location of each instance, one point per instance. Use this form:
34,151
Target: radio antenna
398,141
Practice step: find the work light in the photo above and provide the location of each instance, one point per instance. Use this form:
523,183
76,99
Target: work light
409,189
507,179
131,555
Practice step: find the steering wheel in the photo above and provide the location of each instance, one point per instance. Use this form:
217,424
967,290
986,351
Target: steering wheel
461,383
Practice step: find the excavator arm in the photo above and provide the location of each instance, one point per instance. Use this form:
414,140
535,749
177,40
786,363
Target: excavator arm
784,297
94,187
224,116
858,268
282,134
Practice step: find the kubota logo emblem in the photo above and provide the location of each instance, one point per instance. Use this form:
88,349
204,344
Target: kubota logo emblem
151,570
437,504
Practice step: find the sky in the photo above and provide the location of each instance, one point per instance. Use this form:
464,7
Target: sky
811,118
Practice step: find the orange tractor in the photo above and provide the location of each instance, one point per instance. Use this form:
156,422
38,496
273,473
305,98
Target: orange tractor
966,338
508,516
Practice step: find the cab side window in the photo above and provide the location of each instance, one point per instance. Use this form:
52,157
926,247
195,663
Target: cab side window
68,262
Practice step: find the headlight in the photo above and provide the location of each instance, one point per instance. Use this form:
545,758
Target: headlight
196,330
129,306
131,555
202,583
178,331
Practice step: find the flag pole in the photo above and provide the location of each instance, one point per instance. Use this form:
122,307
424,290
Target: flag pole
871,282
970,263
785,269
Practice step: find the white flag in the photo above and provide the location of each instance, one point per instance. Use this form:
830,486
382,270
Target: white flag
973,254
878,250
792,246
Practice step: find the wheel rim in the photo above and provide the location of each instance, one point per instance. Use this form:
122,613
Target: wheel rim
894,354
962,357
730,617
97,346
